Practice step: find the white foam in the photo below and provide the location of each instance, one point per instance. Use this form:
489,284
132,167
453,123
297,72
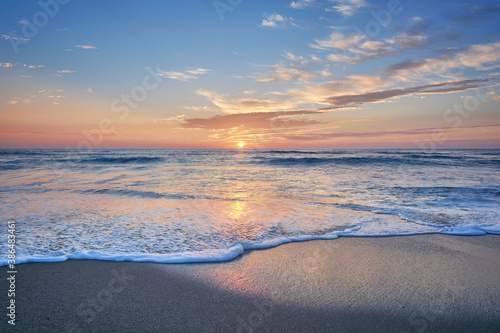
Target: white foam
172,258
464,230
237,249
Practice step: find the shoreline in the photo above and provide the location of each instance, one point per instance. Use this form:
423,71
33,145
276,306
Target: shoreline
419,283
228,254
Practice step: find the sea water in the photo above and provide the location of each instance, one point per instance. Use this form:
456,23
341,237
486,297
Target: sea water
211,205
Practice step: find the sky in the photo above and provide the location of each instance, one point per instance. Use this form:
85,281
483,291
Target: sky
304,74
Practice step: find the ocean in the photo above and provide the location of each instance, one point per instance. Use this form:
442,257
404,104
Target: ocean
177,206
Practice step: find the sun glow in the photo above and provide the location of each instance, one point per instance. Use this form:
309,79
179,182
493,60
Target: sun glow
241,144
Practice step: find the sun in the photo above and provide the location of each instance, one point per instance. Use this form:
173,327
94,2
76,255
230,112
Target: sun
241,144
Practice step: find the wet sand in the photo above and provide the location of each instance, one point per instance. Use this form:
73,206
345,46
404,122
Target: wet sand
424,283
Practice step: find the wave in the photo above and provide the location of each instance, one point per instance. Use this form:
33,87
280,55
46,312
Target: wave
5,167
447,190
300,152
238,248
152,194
410,159
134,193
123,160
287,161
23,152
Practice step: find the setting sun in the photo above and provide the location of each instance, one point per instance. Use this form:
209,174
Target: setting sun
241,144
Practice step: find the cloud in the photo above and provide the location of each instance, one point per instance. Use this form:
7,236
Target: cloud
174,120
65,71
199,71
199,108
9,64
293,57
301,4
188,74
280,73
377,96
419,131
13,36
343,58
42,96
318,92
275,20
86,47
254,120
177,76
348,7
494,96
480,57
239,105
355,46
410,41
337,40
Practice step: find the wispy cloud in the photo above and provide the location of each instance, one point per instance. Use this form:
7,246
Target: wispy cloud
377,96
65,71
86,47
410,132
200,108
319,92
338,40
348,7
13,36
494,96
188,74
480,57
356,48
239,105
301,4
51,96
293,57
410,41
253,120
9,64
199,71
177,75
284,73
173,120
275,20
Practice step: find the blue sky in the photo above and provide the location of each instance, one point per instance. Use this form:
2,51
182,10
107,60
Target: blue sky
304,74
